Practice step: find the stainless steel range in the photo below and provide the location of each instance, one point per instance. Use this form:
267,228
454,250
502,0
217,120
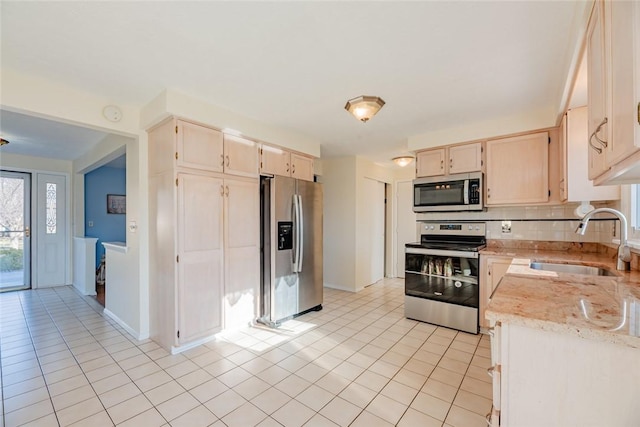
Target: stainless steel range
441,277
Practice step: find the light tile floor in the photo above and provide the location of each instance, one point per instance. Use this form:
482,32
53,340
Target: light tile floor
358,362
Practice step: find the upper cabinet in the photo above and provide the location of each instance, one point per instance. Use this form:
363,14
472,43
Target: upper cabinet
240,156
430,163
449,160
518,170
207,149
578,186
198,147
276,161
613,66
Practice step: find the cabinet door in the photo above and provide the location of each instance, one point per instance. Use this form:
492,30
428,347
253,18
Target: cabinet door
493,269
200,254
275,161
242,251
518,169
199,147
563,158
301,167
597,91
240,156
624,108
465,158
430,163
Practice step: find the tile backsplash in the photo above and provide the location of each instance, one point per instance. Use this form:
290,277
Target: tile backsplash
548,223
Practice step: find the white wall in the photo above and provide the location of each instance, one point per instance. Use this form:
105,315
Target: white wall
339,236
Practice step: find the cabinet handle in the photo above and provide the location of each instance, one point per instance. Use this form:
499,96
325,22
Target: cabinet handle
287,167
221,159
293,168
226,191
595,134
488,193
450,163
441,164
490,371
228,161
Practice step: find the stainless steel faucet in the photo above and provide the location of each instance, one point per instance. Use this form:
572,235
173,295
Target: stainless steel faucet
624,254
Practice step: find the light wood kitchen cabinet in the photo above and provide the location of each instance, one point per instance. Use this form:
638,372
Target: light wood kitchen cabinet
276,161
613,82
430,163
240,156
449,160
597,91
518,170
198,147
579,187
492,270
465,158
241,251
204,241
562,161
301,167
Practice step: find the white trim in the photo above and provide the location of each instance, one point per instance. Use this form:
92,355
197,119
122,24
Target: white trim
340,288
189,346
126,327
116,246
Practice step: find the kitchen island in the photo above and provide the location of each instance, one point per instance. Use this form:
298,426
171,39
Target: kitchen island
565,347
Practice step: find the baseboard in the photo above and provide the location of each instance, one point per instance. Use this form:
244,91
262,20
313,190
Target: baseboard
124,326
196,343
338,287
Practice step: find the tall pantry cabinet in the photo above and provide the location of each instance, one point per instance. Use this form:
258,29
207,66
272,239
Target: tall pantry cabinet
204,234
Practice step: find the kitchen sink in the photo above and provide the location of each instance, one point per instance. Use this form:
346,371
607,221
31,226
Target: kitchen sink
572,269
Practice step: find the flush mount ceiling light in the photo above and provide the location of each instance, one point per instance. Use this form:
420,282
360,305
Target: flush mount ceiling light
3,142
364,107
402,161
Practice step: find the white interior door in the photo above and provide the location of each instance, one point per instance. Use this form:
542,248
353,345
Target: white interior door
374,238
406,222
51,231
15,233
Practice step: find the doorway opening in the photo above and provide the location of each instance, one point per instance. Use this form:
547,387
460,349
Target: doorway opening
15,231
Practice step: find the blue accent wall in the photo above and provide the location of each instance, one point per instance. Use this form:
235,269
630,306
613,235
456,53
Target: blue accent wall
106,227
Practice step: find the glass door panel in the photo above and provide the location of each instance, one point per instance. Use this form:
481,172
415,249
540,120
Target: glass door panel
15,231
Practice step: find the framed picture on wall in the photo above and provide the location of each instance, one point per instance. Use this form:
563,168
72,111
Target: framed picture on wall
116,204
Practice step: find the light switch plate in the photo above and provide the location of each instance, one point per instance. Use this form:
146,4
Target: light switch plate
506,227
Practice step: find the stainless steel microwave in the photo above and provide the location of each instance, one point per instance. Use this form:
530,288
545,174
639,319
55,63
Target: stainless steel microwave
451,193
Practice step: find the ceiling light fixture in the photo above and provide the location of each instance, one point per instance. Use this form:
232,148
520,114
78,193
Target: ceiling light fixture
3,142
402,161
364,107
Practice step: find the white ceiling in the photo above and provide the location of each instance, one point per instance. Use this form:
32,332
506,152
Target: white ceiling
295,64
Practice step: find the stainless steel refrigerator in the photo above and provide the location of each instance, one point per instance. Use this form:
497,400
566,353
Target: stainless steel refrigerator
291,245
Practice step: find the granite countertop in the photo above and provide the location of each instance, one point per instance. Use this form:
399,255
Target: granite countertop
605,308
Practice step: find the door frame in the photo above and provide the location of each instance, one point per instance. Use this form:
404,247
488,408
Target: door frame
396,237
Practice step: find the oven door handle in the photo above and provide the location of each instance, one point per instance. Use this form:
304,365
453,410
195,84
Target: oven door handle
465,196
442,252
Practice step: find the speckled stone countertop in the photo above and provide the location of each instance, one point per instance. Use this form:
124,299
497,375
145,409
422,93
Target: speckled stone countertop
605,308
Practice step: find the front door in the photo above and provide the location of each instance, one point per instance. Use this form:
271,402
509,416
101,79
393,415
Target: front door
15,230
52,231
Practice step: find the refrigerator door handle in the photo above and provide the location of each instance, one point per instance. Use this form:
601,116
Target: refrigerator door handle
300,233
294,216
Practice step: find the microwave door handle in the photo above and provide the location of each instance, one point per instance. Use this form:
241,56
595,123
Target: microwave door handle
466,192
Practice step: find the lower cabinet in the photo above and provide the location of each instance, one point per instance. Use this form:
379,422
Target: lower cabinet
547,378
205,256
492,269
